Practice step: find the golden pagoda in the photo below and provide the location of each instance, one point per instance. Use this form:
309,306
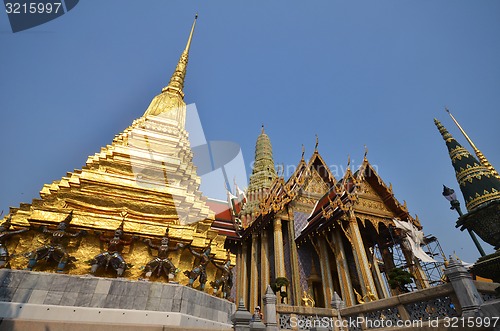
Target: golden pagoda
144,181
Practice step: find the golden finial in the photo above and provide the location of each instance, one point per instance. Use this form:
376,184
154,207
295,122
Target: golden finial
188,44
262,130
176,83
366,153
484,161
303,151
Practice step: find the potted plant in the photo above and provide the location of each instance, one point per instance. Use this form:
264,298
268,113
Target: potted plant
399,278
280,285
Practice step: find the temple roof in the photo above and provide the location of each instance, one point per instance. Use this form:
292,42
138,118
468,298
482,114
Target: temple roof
477,183
348,194
224,221
308,183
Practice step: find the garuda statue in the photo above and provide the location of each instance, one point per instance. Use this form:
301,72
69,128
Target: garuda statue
161,264
5,234
113,256
200,271
56,249
225,281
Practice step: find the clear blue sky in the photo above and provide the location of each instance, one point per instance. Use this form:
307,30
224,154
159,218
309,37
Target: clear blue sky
353,72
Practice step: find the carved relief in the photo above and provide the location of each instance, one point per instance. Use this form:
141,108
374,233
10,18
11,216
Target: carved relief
375,205
316,184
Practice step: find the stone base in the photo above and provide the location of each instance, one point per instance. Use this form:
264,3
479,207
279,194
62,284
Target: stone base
27,295
488,266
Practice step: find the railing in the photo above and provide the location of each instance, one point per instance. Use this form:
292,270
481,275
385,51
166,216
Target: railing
418,308
430,307
305,318
402,310
486,290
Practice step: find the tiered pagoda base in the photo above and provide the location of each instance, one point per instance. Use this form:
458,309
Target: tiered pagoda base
488,267
31,298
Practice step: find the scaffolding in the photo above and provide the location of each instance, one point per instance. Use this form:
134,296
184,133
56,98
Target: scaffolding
434,271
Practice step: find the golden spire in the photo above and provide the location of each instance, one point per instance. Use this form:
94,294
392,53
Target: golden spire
484,161
176,83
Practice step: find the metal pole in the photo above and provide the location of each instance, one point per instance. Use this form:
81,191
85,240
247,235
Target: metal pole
455,204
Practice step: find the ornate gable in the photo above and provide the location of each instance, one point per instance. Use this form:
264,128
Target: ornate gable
371,202
315,185
376,200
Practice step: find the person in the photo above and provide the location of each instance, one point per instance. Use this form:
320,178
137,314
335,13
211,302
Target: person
113,256
257,313
56,249
161,264
6,233
200,271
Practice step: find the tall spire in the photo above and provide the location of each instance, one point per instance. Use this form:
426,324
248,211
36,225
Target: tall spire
264,170
263,174
477,183
484,161
176,83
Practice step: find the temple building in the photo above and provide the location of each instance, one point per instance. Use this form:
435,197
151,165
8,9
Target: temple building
312,235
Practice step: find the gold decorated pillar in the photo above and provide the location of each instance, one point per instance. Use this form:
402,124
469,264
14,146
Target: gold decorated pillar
264,264
362,264
343,269
279,255
326,273
254,272
295,281
242,286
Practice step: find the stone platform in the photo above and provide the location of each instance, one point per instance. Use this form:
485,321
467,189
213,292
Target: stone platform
85,300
